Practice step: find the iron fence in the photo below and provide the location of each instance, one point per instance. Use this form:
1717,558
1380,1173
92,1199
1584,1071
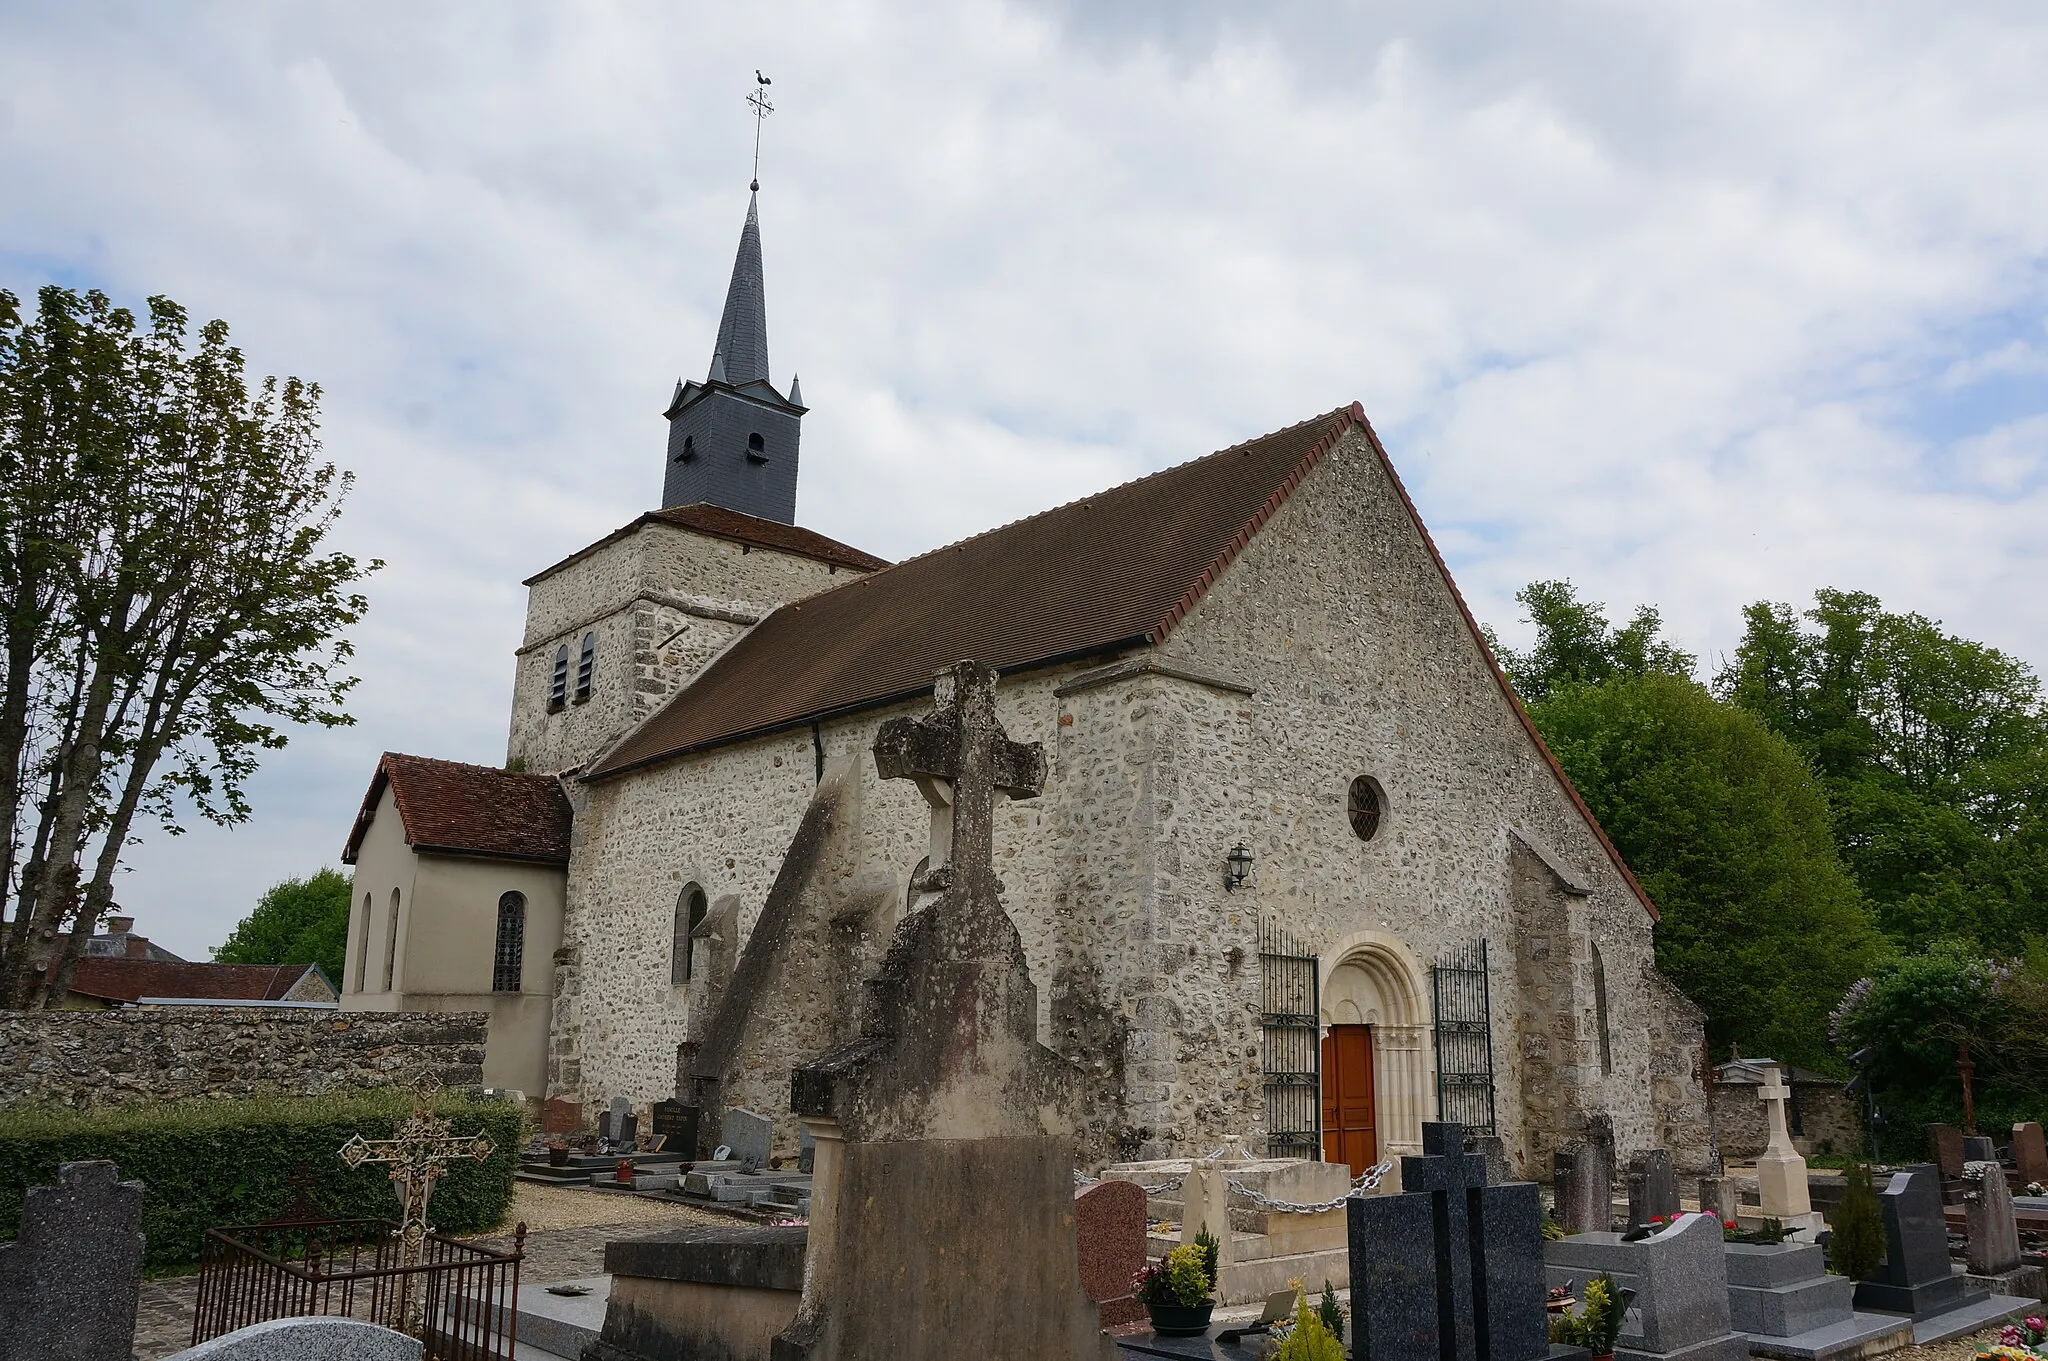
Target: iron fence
467,1296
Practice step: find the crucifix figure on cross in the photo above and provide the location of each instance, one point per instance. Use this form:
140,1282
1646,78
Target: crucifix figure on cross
418,1155
960,758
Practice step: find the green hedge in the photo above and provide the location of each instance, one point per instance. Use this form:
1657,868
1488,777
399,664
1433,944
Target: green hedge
205,1164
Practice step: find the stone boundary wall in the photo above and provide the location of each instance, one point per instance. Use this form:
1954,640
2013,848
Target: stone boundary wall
1829,1119
124,1057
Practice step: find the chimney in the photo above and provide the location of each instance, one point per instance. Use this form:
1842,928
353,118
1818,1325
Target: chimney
120,926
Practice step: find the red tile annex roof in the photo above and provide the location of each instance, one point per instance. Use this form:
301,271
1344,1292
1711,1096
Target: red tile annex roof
739,527
460,809
1109,572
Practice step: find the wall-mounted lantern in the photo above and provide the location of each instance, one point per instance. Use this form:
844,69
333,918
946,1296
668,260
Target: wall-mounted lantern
1240,867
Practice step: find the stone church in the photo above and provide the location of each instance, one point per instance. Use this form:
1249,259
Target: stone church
1301,872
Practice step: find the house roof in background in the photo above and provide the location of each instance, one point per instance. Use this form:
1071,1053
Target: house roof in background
455,808
130,980
738,527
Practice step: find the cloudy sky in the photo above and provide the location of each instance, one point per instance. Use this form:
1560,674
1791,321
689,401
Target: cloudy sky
1693,303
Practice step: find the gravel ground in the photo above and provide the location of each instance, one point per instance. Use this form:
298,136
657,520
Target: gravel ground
556,1207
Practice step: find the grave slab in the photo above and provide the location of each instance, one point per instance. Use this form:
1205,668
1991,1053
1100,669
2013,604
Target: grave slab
306,1339
1967,1318
749,1136
1859,1335
1945,1145
560,1324
2030,1153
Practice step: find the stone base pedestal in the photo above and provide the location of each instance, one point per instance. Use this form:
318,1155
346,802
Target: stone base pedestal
700,1292
2026,1281
1920,1301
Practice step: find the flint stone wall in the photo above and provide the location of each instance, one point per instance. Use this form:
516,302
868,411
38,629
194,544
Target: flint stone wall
125,1057
1828,1119
1330,649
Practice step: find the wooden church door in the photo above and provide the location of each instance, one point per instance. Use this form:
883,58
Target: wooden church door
1349,1135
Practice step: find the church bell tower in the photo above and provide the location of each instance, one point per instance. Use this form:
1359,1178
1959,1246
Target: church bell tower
732,439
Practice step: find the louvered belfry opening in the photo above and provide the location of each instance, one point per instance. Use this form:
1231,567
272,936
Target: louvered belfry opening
1291,1056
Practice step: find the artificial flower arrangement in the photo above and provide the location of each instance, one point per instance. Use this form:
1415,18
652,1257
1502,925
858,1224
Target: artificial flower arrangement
2022,1341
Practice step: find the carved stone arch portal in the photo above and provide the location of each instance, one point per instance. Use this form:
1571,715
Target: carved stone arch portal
1371,978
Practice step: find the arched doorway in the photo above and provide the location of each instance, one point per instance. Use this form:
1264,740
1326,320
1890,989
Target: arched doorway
1376,1088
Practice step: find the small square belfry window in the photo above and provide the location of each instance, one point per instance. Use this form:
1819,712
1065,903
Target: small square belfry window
757,448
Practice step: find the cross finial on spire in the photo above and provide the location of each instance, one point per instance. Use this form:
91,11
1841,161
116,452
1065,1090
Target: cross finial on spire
758,102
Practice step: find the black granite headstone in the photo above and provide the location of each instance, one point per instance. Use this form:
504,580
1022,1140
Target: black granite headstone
677,1124
1451,1269
70,1283
1915,1277
1652,1187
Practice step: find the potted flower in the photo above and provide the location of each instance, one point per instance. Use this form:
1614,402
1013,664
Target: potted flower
1175,1291
558,1153
1597,1325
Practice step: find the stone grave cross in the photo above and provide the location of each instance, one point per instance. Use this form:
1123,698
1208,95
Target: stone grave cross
1780,1170
960,758
1774,1094
418,1156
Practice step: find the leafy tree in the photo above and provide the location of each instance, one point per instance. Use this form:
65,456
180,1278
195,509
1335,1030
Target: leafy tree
1575,645
1729,832
297,921
167,607
1914,1011
1934,751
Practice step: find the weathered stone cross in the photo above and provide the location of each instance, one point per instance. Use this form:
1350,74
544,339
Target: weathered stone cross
960,757
418,1156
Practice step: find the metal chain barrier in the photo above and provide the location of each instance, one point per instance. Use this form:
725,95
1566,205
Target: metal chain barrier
1368,1180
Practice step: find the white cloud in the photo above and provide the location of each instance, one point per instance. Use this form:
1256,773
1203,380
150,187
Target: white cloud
1692,303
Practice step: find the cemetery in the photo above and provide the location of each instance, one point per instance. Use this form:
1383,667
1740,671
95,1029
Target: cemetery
937,1204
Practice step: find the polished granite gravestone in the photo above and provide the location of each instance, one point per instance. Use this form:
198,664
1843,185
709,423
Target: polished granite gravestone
1915,1278
1584,1184
71,1280
1978,1148
613,1127
1451,1269
1782,1298
1652,1187
676,1125
561,1116
306,1339
1681,1309
1109,1242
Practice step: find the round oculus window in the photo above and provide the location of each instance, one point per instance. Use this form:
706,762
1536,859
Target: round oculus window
1365,806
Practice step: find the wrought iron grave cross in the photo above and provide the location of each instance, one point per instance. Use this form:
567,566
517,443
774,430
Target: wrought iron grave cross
418,1156
960,758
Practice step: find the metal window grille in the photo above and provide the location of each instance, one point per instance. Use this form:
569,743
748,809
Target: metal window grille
586,664
1464,1039
1291,1051
511,949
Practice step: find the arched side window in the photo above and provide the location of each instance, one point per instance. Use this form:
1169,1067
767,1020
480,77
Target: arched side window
391,943
691,907
757,448
1600,1012
586,666
511,948
558,684
363,942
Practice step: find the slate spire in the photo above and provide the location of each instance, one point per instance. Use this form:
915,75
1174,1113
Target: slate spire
732,439
743,330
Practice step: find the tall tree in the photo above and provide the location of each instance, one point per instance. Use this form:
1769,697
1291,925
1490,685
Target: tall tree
1934,750
1729,832
296,921
1575,645
169,606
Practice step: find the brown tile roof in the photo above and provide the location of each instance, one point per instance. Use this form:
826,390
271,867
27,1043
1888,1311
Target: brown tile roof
1114,570
461,809
1109,571
127,980
721,523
